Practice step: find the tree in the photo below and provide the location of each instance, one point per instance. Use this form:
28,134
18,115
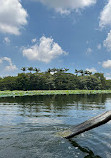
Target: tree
49,81
76,71
30,69
101,77
65,69
58,79
90,73
21,81
64,81
108,84
36,70
48,71
54,70
86,72
8,83
89,83
23,69
82,72
62,70
79,71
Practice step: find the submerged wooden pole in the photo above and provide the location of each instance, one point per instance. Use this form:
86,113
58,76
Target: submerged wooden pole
89,124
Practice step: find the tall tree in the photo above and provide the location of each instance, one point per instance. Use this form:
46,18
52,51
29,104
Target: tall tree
90,73
82,72
76,71
101,77
36,70
48,71
23,69
86,72
30,69
65,69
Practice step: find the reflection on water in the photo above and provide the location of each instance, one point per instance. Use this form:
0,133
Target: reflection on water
28,126
61,101
86,150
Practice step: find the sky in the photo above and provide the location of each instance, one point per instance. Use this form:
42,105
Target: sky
74,34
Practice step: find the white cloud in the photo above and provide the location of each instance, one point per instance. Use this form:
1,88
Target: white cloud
106,64
34,40
105,15
1,61
89,51
99,46
108,76
66,6
107,42
92,70
12,16
6,40
63,11
10,66
45,51
105,20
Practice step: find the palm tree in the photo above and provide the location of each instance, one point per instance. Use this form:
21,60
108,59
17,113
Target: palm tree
90,73
30,69
82,72
36,70
65,69
61,70
76,71
54,70
86,72
23,69
49,70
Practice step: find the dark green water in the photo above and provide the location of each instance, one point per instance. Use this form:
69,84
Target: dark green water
29,126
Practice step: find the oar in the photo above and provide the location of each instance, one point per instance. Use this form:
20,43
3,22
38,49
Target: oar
88,125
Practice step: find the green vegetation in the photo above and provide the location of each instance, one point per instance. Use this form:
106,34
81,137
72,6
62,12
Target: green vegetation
51,92
54,79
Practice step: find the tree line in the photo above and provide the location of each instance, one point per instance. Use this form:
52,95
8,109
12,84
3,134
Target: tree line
55,79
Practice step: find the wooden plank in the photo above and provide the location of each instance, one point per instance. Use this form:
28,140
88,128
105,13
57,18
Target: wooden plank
88,125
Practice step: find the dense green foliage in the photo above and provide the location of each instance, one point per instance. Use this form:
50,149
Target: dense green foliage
55,79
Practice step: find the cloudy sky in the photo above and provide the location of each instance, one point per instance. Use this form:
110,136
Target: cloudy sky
74,34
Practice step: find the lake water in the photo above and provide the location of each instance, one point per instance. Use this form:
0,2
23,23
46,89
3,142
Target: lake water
29,126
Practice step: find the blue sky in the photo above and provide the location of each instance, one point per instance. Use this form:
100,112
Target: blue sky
74,34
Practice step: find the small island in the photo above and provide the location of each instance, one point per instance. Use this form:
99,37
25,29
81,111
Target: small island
53,81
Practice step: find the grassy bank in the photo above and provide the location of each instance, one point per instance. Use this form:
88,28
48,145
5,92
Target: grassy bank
51,92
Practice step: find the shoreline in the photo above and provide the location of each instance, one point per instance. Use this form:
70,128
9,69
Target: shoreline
50,92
